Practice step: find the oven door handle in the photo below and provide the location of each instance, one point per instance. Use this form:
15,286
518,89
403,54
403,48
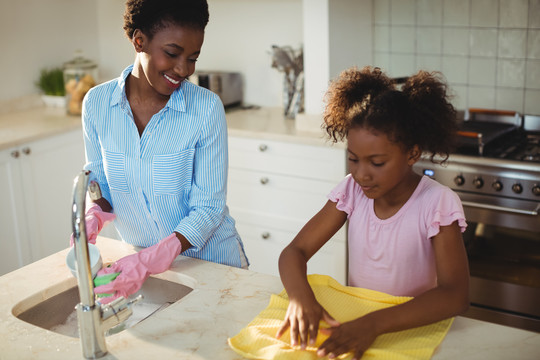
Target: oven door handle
501,208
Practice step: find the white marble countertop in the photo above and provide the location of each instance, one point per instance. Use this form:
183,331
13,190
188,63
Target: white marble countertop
18,127
22,126
223,301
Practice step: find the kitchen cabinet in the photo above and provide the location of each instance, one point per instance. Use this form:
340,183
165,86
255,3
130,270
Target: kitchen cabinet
36,183
274,188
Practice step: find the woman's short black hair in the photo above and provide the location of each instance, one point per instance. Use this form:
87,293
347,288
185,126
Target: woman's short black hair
149,16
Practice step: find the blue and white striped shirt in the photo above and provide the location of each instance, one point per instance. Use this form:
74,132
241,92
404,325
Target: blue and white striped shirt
171,178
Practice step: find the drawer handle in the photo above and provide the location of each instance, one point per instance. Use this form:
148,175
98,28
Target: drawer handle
264,180
263,147
26,151
265,235
15,154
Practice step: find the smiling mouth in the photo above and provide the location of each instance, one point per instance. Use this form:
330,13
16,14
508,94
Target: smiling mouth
171,80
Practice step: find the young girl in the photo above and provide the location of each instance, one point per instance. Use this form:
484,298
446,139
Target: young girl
404,229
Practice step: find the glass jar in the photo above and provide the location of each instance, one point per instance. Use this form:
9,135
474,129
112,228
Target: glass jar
80,75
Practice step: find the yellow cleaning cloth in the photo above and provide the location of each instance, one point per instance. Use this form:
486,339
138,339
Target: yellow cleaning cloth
257,340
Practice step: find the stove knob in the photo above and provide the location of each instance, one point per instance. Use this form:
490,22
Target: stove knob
536,190
459,180
497,185
517,188
478,182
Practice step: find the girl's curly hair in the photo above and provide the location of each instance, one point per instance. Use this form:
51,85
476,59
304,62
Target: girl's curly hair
418,114
152,15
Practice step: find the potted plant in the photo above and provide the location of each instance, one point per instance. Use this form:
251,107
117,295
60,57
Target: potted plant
51,83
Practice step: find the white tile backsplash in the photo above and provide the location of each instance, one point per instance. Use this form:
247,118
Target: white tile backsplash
482,71
534,11
402,65
459,96
429,12
482,97
429,40
489,50
511,73
514,13
428,62
456,41
532,81
456,12
381,38
455,69
512,44
402,12
483,42
532,101
402,39
533,43
485,13
381,12
382,60
509,99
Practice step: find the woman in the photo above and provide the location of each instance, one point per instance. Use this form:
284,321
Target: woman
157,146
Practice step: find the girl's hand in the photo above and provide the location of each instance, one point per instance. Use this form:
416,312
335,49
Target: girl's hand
303,320
354,336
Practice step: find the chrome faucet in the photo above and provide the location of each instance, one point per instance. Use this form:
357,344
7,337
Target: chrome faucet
94,319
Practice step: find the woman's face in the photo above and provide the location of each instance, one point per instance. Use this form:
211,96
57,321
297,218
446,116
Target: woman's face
381,167
169,57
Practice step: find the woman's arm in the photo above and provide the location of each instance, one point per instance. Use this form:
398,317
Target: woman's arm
449,298
304,312
207,196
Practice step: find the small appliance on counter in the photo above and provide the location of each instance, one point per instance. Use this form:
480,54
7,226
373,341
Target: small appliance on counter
80,75
228,85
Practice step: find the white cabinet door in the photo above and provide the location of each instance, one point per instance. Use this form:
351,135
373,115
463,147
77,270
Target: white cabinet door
48,169
14,251
36,184
263,245
274,189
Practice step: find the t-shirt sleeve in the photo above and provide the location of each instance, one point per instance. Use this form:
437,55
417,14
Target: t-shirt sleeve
343,195
446,210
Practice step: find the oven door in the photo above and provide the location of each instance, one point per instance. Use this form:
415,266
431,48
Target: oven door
503,246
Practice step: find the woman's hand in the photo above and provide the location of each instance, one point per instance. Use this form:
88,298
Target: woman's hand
355,336
303,320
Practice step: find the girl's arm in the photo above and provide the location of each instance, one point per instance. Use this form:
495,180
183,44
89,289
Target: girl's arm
304,312
449,298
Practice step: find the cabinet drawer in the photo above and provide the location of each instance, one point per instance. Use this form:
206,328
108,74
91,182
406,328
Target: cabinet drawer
284,196
285,224
264,245
307,161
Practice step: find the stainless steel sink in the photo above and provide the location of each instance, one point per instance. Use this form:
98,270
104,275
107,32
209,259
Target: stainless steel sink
57,313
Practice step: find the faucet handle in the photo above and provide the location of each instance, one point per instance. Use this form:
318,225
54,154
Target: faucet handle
115,313
136,300
94,191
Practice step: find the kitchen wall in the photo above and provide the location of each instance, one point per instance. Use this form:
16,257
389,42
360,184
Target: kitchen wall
489,50
42,33
239,37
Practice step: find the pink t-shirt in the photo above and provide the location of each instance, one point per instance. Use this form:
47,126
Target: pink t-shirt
395,255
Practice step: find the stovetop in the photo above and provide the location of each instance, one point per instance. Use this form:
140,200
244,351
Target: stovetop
518,145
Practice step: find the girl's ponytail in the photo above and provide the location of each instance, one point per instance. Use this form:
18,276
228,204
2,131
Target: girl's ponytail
432,113
349,98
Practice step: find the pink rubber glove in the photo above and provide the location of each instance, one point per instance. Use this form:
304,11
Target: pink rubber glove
134,269
96,219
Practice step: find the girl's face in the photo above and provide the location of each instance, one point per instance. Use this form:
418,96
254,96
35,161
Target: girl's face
169,57
382,168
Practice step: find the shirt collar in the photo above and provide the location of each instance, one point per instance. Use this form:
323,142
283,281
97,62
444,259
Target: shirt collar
177,101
